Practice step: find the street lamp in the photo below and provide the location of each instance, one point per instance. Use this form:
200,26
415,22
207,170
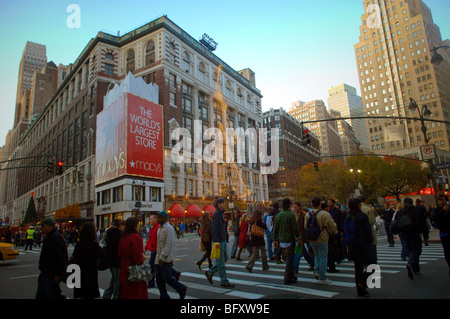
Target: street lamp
358,185
425,112
437,58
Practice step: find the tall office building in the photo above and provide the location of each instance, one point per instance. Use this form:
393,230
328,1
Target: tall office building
327,131
34,58
344,99
393,58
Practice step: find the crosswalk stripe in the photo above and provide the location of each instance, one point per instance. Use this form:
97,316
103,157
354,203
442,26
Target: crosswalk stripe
296,289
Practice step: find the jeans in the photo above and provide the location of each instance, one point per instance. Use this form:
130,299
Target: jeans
235,246
165,276
114,284
320,258
305,255
48,288
404,253
220,264
269,240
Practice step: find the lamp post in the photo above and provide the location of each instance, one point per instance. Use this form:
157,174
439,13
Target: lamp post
358,186
436,58
425,112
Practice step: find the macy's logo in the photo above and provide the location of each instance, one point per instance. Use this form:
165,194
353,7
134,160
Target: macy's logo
151,167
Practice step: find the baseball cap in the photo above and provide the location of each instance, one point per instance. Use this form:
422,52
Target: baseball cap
164,214
48,221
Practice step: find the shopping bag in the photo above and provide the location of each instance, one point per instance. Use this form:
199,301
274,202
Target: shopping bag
215,252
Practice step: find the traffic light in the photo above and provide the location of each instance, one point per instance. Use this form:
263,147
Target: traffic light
316,166
59,170
305,137
50,167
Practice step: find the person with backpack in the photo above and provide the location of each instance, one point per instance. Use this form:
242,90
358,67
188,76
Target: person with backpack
285,234
407,222
358,237
319,225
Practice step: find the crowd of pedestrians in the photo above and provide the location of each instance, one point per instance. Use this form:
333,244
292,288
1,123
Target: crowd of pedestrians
324,235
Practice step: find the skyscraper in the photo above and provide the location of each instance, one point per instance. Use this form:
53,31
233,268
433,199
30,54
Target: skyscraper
34,58
393,58
344,99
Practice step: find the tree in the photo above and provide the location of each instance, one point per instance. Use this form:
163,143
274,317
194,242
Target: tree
333,180
30,214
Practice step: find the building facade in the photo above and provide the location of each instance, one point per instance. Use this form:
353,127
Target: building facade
327,131
292,153
393,57
194,85
344,99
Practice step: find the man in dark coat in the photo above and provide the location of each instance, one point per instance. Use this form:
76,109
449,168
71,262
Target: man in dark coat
387,215
219,235
52,262
335,253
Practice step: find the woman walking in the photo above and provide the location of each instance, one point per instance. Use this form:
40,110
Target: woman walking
131,252
86,254
205,239
358,237
244,240
257,242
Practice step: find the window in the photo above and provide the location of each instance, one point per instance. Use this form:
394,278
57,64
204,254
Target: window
109,69
150,53
130,61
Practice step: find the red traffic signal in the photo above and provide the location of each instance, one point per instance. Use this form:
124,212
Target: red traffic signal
60,168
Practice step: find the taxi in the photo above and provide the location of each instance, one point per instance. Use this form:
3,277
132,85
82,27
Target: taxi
8,251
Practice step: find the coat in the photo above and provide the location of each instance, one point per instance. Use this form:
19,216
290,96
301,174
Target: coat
326,223
86,255
256,241
206,232
131,251
113,236
244,240
363,232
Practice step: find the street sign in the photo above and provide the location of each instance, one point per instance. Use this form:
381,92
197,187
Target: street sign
428,152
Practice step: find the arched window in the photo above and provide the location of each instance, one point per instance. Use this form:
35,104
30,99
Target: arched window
186,58
109,56
130,61
150,53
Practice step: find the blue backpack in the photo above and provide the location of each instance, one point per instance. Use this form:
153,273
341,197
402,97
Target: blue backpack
312,227
350,236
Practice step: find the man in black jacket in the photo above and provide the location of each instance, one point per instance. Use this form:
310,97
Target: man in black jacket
441,217
387,215
113,236
219,235
52,262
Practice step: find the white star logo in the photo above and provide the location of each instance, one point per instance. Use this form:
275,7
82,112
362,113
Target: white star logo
132,164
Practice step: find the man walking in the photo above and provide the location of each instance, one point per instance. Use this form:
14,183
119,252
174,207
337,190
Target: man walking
285,234
165,256
325,226
219,235
52,262
387,215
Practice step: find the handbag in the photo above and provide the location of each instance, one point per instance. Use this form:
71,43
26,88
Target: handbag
257,231
215,251
138,273
401,224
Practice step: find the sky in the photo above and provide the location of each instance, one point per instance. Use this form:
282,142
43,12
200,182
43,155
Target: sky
298,49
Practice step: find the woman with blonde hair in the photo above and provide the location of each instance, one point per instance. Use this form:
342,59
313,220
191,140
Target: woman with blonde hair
404,253
205,239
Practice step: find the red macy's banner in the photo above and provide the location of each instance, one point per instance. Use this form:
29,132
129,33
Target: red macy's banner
129,140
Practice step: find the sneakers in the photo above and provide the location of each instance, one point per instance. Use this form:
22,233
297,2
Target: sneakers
324,282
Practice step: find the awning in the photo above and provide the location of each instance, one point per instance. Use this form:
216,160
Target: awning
176,210
210,208
194,211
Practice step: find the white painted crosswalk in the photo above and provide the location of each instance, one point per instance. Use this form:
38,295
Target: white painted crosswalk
261,284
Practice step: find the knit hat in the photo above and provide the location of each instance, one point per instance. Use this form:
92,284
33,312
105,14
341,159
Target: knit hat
218,201
48,221
164,214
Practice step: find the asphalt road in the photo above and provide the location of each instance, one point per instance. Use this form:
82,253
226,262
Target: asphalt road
18,278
